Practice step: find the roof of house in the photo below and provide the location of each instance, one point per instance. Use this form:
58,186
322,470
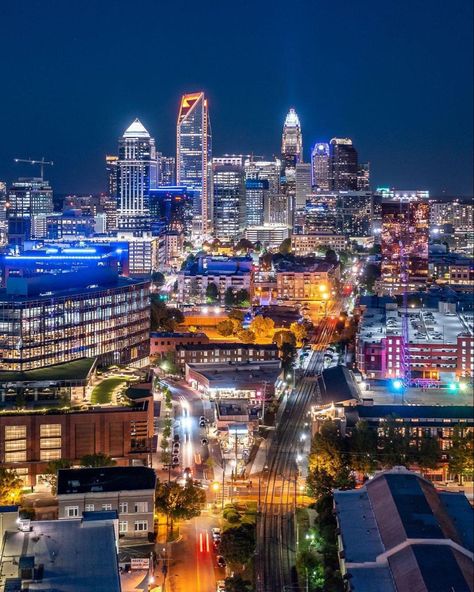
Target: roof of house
105,479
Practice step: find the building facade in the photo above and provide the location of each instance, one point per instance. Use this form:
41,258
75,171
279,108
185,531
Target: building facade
321,167
193,155
218,353
228,195
344,165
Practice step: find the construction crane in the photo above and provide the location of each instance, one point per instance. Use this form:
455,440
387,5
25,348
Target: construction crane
42,163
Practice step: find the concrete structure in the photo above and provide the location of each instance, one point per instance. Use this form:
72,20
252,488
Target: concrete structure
219,353
270,235
129,491
32,437
397,534
251,380
162,342
67,555
225,272
307,244
440,348
305,279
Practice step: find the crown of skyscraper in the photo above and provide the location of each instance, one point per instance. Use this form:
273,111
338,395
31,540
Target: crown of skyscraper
292,119
136,130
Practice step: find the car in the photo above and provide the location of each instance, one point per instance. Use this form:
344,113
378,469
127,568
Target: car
187,473
176,438
204,419
204,441
220,586
216,533
175,461
176,447
202,424
220,561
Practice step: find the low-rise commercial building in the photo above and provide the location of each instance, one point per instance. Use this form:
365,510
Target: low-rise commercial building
164,342
252,380
398,533
130,491
307,244
68,555
235,273
305,278
218,353
270,235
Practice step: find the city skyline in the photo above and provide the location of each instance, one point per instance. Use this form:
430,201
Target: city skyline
415,127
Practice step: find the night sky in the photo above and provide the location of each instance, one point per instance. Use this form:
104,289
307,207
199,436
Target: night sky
395,75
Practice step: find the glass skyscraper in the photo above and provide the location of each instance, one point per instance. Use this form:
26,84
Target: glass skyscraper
228,191
137,174
321,166
344,165
193,155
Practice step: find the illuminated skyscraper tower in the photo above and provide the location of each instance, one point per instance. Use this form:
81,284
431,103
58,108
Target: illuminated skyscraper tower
137,174
321,166
193,154
291,154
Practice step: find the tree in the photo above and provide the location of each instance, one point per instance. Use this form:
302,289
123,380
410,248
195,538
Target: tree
158,278
237,584
285,247
246,336
428,453
266,260
237,314
242,297
238,544
393,445
284,336
50,474
164,318
225,327
177,502
229,297
363,444
326,450
331,256
371,275
10,487
244,245
461,454
194,288
212,292
299,331
262,326
99,459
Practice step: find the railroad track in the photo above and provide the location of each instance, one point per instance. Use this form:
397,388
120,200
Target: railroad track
276,541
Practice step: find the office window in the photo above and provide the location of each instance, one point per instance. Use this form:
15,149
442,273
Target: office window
50,429
54,454
106,506
141,525
71,511
15,432
123,526
141,506
123,507
89,507
15,456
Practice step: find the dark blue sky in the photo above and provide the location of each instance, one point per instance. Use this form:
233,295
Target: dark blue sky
395,75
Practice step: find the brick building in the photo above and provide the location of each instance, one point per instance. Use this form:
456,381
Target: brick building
225,352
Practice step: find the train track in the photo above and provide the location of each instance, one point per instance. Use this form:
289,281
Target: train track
276,548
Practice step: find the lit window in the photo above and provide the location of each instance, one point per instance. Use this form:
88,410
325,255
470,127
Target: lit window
141,526
71,511
106,507
89,507
123,507
123,526
141,507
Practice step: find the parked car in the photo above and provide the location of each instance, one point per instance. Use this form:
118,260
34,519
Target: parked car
221,561
216,533
220,586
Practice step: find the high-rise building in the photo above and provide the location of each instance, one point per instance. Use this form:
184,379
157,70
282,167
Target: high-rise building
321,167
363,177
28,197
274,206
405,235
344,165
256,195
355,213
228,191
167,176
303,184
111,168
137,174
291,154
193,155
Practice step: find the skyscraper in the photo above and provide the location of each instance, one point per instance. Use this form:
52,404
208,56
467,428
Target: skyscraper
321,166
28,197
405,235
193,155
344,165
137,174
256,195
274,205
167,176
291,154
302,184
363,177
228,191
111,168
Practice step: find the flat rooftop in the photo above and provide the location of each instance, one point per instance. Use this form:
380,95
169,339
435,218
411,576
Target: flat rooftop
76,555
222,376
104,479
424,325
76,371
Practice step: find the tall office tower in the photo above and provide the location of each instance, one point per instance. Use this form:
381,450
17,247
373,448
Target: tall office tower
321,167
228,192
291,154
321,214
3,201
303,184
355,213
193,155
256,196
28,197
344,165
111,168
363,177
137,175
167,176
405,234
274,206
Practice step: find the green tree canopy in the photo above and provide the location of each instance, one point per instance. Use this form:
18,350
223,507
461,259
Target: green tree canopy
284,336
99,459
242,297
164,318
237,584
285,247
10,487
225,327
244,245
246,336
158,278
237,314
177,502
461,454
212,292
50,474
331,256
229,297
238,544
299,331
262,326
